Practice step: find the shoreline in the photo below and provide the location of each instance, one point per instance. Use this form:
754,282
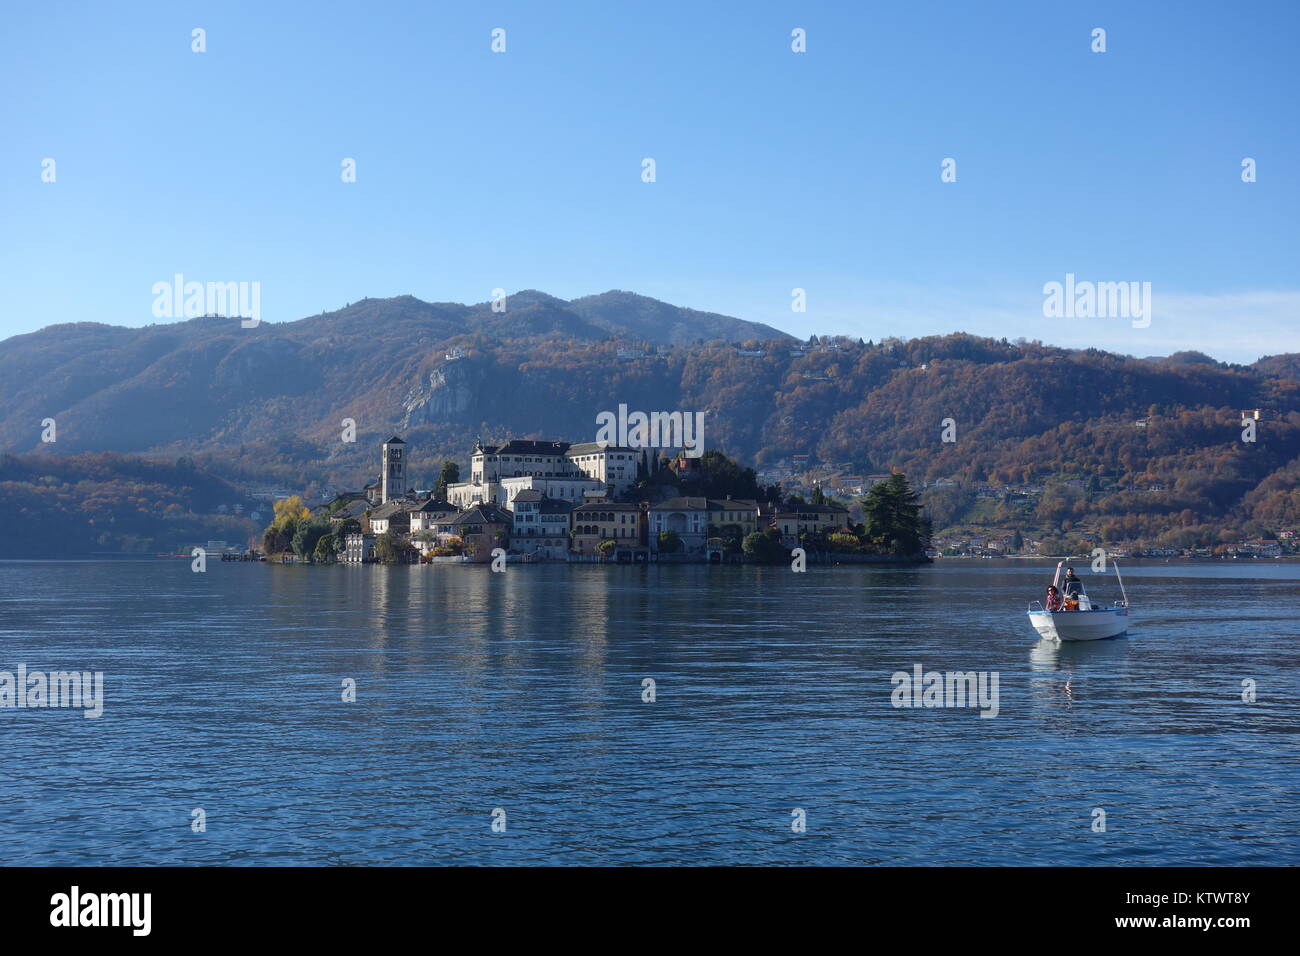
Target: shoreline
882,561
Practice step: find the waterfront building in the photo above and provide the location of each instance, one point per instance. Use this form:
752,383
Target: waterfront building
742,513
540,525
482,528
428,519
622,523
358,548
792,523
688,517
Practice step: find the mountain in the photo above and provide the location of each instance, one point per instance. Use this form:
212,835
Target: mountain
1155,444
614,314
1279,366
1187,358
628,315
135,389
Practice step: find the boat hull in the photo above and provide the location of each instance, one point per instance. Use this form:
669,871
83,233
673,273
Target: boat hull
1094,625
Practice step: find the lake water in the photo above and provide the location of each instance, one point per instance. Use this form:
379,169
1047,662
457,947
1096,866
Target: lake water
523,691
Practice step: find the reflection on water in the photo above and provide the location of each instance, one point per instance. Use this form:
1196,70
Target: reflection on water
1058,667
523,690
1049,655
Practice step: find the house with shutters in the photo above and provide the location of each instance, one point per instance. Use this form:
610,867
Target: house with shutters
622,523
483,529
794,523
540,526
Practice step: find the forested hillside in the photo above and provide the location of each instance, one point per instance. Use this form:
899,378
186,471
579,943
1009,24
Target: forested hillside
111,504
1141,447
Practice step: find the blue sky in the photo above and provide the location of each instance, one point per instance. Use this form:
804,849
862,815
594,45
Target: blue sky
775,170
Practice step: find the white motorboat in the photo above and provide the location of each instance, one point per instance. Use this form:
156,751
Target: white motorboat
1081,620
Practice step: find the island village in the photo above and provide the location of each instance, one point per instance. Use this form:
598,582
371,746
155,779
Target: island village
532,500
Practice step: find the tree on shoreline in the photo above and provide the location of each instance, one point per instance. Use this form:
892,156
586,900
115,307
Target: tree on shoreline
326,549
669,542
308,535
892,521
392,549
764,547
288,514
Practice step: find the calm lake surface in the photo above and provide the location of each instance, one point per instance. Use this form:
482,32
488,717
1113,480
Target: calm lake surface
523,691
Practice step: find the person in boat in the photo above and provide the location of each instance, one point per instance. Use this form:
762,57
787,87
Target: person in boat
1054,602
1073,586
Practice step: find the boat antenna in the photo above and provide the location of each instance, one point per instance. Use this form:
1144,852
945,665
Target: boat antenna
1121,582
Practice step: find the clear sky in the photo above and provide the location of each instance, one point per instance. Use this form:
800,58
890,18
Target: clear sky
775,169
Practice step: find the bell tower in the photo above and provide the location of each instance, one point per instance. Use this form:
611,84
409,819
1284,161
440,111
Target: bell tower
392,476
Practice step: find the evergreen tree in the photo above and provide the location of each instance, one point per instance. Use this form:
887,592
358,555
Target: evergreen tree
325,548
449,475
892,518
306,536
721,477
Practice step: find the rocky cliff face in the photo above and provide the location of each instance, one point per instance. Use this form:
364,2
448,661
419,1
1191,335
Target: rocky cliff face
448,394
